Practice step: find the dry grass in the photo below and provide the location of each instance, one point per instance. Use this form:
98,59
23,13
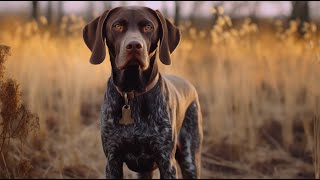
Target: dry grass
316,147
16,123
258,90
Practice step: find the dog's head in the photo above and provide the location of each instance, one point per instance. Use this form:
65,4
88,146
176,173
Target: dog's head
132,35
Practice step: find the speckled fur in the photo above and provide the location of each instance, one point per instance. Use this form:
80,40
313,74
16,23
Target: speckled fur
151,141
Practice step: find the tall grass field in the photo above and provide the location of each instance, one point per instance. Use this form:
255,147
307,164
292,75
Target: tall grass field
259,89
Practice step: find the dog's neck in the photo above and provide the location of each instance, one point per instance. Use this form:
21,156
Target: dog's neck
133,93
153,77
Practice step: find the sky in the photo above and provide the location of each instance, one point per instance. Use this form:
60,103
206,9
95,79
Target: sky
264,8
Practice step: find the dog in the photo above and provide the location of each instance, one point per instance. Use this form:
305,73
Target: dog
148,120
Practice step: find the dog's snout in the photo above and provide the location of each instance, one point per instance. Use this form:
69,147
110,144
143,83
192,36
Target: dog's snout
134,46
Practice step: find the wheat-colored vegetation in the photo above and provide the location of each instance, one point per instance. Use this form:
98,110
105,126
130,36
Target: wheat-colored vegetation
16,123
258,87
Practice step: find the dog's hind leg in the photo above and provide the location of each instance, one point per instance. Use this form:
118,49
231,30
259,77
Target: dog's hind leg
188,152
114,169
145,175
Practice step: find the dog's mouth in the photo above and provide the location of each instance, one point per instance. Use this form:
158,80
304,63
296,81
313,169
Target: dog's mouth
128,59
132,67
134,62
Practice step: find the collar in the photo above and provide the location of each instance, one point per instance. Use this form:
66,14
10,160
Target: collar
133,94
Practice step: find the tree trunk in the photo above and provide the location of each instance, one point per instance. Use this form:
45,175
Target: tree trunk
49,12
60,11
196,8
177,16
253,11
35,9
300,12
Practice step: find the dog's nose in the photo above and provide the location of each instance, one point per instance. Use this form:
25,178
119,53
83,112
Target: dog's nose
134,46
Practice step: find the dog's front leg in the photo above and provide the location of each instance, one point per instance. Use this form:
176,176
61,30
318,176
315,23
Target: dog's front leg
114,168
167,167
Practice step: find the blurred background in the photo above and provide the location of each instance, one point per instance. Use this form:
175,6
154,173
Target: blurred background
254,64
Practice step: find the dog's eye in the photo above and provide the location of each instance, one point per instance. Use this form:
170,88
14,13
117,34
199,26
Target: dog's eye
118,27
148,28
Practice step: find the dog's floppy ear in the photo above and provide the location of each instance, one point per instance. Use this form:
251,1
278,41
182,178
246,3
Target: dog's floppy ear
170,37
93,37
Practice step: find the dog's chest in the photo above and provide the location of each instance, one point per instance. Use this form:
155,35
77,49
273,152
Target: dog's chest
141,142
138,144
139,156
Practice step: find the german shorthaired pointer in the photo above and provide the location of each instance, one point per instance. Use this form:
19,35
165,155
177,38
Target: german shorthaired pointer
148,120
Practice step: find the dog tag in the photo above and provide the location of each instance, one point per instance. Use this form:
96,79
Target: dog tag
126,116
